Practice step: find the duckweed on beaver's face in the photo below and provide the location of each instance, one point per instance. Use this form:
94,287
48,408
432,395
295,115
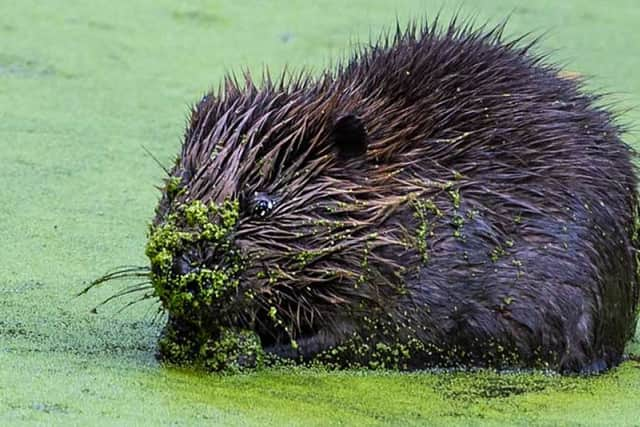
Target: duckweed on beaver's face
231,350
193,294
194,226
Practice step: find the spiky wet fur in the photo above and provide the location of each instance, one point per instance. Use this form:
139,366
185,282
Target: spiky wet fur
491,220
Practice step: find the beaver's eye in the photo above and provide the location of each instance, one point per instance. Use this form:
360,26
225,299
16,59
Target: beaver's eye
262,205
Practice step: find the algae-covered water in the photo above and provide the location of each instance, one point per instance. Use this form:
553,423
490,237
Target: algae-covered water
84,86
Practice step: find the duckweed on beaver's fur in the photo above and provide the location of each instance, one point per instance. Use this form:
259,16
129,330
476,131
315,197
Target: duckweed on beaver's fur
192,224
192,336
228,351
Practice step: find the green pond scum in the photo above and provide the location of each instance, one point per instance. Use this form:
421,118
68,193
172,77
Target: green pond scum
192,224
84,86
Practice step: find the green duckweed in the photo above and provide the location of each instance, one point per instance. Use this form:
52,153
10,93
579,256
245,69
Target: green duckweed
192,335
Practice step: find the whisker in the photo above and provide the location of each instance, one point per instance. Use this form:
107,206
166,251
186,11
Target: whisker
138,287
151,313
158,316
123,272
155,159
129,304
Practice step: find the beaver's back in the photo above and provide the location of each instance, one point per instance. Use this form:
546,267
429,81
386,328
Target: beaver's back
538,250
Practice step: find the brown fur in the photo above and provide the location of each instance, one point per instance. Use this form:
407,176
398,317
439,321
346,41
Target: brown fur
445,188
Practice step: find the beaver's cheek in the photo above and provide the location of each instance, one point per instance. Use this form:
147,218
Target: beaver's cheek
250,256
243,245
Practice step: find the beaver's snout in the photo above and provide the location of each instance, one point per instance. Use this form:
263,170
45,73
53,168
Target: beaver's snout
183,265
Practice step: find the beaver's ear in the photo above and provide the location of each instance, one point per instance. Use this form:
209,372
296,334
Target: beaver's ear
350,136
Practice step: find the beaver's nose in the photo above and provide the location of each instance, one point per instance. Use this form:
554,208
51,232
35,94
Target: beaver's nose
182,266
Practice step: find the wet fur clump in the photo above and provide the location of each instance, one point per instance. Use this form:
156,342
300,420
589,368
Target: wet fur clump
443,198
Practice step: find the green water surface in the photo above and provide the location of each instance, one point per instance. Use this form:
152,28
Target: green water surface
84,85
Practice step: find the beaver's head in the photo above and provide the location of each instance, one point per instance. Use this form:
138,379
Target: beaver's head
286,214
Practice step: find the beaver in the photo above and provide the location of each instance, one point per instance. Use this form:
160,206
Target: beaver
443,198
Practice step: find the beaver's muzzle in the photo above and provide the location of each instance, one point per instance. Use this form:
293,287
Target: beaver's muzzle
183,265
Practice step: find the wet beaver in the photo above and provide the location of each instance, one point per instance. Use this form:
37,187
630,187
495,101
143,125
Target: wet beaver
444,198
